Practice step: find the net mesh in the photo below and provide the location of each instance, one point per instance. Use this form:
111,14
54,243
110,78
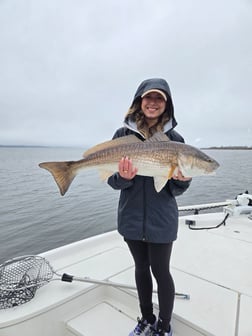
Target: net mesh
20,278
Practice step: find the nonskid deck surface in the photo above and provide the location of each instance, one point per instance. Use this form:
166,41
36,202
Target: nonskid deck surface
213,266
217,263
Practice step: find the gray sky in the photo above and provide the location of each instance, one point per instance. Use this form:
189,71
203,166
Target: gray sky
69,68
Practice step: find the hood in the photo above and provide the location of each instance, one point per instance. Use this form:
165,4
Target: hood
160,84
153,83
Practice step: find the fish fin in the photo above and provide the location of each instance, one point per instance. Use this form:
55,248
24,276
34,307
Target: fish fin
158,136
62,172
171,172
105,174
112,143
159,182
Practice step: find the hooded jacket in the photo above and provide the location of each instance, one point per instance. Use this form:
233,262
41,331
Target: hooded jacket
143,213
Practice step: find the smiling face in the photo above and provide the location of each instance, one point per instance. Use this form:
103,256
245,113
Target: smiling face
153,105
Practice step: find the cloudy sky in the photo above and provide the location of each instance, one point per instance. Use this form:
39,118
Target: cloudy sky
69,68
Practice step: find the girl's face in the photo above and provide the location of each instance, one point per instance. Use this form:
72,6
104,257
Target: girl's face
153,105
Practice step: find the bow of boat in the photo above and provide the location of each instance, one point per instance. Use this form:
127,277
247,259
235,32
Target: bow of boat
211,262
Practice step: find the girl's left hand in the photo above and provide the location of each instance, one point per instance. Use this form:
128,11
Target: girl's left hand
179,176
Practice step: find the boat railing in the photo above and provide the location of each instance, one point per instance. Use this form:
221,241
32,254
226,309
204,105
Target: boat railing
242,204
198,207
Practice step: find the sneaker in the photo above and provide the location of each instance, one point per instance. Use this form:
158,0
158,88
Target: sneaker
143,328
161,333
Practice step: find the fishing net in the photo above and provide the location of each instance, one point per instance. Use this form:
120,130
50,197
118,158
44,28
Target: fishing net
20,278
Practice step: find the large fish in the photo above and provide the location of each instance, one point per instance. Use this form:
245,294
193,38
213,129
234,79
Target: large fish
157,156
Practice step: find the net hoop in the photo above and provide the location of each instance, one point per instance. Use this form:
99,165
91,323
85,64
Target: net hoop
21,277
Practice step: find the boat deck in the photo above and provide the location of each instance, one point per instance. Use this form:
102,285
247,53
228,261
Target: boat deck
215,267
212,266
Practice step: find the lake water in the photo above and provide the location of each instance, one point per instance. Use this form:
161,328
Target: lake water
35,218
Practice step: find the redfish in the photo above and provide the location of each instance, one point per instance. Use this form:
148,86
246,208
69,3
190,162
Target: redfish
158,157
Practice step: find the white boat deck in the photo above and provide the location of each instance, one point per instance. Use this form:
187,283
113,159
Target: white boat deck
217,264
213,266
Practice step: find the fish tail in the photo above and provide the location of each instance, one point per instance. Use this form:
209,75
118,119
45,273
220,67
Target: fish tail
63,173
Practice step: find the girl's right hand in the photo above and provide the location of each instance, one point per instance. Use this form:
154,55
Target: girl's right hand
126,168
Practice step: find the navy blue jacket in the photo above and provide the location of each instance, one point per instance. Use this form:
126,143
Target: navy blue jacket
143,213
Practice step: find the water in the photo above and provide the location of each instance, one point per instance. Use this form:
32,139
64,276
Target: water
35,218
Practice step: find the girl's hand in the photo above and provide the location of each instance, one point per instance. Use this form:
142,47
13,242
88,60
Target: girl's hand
126,169
179,176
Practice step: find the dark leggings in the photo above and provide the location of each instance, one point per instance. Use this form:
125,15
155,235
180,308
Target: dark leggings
157,257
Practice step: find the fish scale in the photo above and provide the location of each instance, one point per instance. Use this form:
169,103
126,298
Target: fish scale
159,153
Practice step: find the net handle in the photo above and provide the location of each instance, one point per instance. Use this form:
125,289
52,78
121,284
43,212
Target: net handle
70,278
65,277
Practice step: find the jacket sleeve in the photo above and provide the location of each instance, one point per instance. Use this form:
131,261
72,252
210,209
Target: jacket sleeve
178,187
117,182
